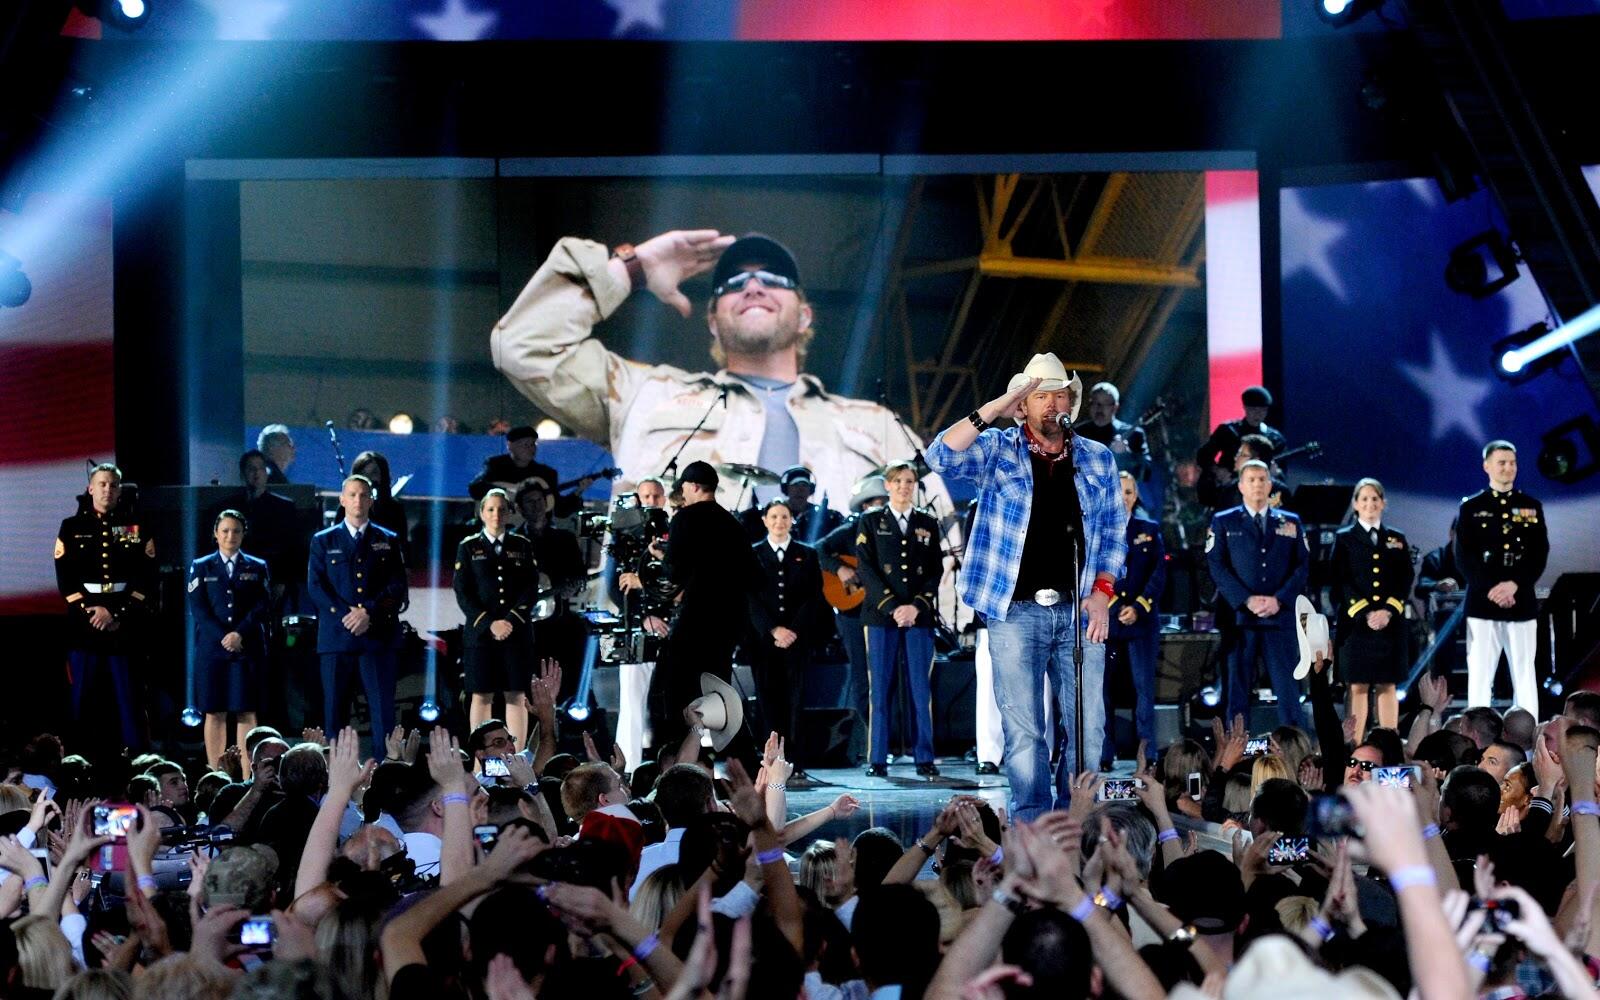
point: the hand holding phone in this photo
(258, 933)
(1257, 746)
(114, 820)
(1289, 851)
(495, 767)
(1119, 789)
(1404, 776)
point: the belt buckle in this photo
(1047, 598)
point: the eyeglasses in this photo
(502, 741)
(736, 282)
(1365, 765)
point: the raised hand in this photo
(346, 772)
(444, 761)
(1008, 405)
(746, 804)
(590, 753)
(674, 257)
(771, 752)
(314, 734)
(844, 806)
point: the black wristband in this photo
(978, 422)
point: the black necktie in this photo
(779, 552)
(229, 563)
(497, 547)
(1372, 533)
(1261, 523)
(900, 519)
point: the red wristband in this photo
(1104, 586)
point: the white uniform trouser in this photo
(633, 687)
(1486, 639)
(991, 737)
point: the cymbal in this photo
(750, 475)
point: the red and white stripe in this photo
(1233, 289)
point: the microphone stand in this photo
(672, 464)
(1077, 609)
(338, 455)
(918, 458)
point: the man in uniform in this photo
(1259, 559)
(898, 558)
(1135, 639)
(1126, 441)
(106, 569)
(833, 549)
(785, 616)
(708, 561)
(1216, 456)
(357, 578)
(811, 521)
(772, 414)
(1502, 545)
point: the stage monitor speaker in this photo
(1186, 659)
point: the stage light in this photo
(1570, 452)
(1553, 686)
(1535, 348)
(191, 717)
(126, 15)
(401, 423)
(547, 429)
(1402, 693)
(15, 288)
(577, 711)
(429, 711)
(1342, 12)
(1513, 360)
(1482, 265)
(1210, 696)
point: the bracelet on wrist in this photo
(1083, 911)
(930, 851)
(146, 882)
(646, 947)
(1108, 898)
(1011, 901)
(454, 799)
(1412, 875)
(1480, 961)
(1166, 835)
(1103, 586)
(1586, 807)
(998, 858)
(1430, 831)
(37, 881)
(768, 857)
(1322, 927)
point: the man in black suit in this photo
(709, 564)
(785, 601)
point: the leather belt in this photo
(104, 588)
(1047, 598)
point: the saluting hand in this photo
(1006, 406)
(676, 256)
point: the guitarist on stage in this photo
(842, 586)
(515, 467)
(1216, 456)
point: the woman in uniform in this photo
(497, 583)
(1372, 577)
(230, 603)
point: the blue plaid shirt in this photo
(998, 462)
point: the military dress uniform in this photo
(811, 523)
(348, 570)
(1137, 646)
(106, 561)
(229, 596)
(899, 559)
(1263, 554)
(496, 580)
(1371, 571)
(787, 592)
(1499, 537)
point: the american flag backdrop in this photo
(1392, 372)
(55, 389)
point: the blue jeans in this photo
(1281, 650)
(883, 653)
(1136, 653)
(1032, 642)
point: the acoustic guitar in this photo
(843, 596)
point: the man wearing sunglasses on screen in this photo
(773, 414)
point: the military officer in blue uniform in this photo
(497, 583)
(785, 618)
(1371, 581)
(357, 577)
(1135, 638)
(900, 561)
(105, 570)
(230, 607)
(1259, 560)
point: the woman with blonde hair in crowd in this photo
(43, 953)
(658, 895)
(825, 873)
(97, 984)
(1267, 766)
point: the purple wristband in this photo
(1322, 927)
(1166, 835)
(1083, 911)
(454, 799)
(1430, 831)
(147, 882)
(34, 882)
(647, 947)
(1479, 961)
(998, 857)
(1405, 878)
(1586, 807)
(1108, 898)
(768, 857)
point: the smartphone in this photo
(1330, 816)
(1289, 851)
(486, 835)
(1404, 776)
(1119, 789)
(1257, 746)
(1499, 913)
(114, 820)
(495, 767)
(1196, 789)
(258, 933)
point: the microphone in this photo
(1065, 420)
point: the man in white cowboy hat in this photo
(1047, 544)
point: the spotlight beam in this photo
(1516, 359)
